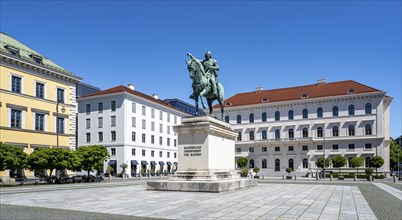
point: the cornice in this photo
(34, 131)
(35, 98)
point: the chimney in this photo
(131, 86)
(321, 81)
(155, 96)
(259, 89)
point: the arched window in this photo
(291, 133)
(335, 111)
(264, 163)
(277, 134)
(264, 116)
(368, 108)
(351, 110)
(305, 132)
(251, 118)
(305, 163)
(319, 112)
(239, 136)
(351, 129)
(290, 164)
(227, 118)
(366, 162)
(277, 165)
(335, 131)
(349, 162)
(277, 116)
(264, 135)
(367, 129)
(238, 119)
(251, 163)
(305, 113)
(290, 115)
(251, 135)
(319, 132)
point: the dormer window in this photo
(14, 51)
(304, 96)
(228, 104)
(351, 91)
(265, 100)
(37, 59)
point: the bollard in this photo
(330, 177)
(355, 178)
(316, 175)
(263, 177)
(295, 177)
(369, 178)
(395, 179)
(160, 176)
(283, 177)
(140, 176)
(149, 176)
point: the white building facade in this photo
(293, 127)
(137, 129)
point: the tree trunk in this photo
(88, 175)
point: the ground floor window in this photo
(264, 163)
(251, 163)
(290, 164)
(277, 165)
(305, 163)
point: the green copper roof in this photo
(25, 53)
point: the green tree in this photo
(339, 161)
(289, 170)
(52, 158)
(12, 157)
(376, 162)
(357, 162)
(91, 157)
(394, 154)
(320, 162)
(242, 162)
(256, 170)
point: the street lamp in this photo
(57, 119)
(324, 154)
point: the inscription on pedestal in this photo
(192, 151)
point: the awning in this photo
(144, 162)
(153, 162)
(161, 163)
(168, 163)
(112, 162)
(134, 162)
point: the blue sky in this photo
(273, 44)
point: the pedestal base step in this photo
(200, 186)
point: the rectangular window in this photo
(305, 147)
(60, 125)
(161, 115)
(238, 150)
(175, 155)
(60, 95)
(144, 124)
(113, 134)
(290, 148)
(168, 129)
(113, 106)
(133, 134)
(16, 84)
(168, 117)
(39, 122)
(160, 154)
(88, 109)
(88, 123)
(264, 149)
(100, 122)
(367, 146)
(88, 137)
(175, 119)
(143, 138)
(133, 122)
(143, 153)
(144, 110)
(152, 139)
(133, 152)
(113, 151)
(335, 147)
(168, 154)
(160, 128)
(40, 90)
(351, 147)
(168, 141)
(152, 126)
(251, 149)
(152, 153)
(100, 107)
(160, 140)
(319, 147)
(113, 121)
(277, 149)
(133, 107)
(152, 113)
(175, 142)
(100, 136)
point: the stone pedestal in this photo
(206, 154)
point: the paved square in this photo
(266, 201)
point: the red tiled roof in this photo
(295, 93)
(134, 92)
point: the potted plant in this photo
(244, 172)
(289, 170)
(256, 170)
(123, 172)
(369, 172)
(109, 171)
(143, 172)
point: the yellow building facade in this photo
(37, 100)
